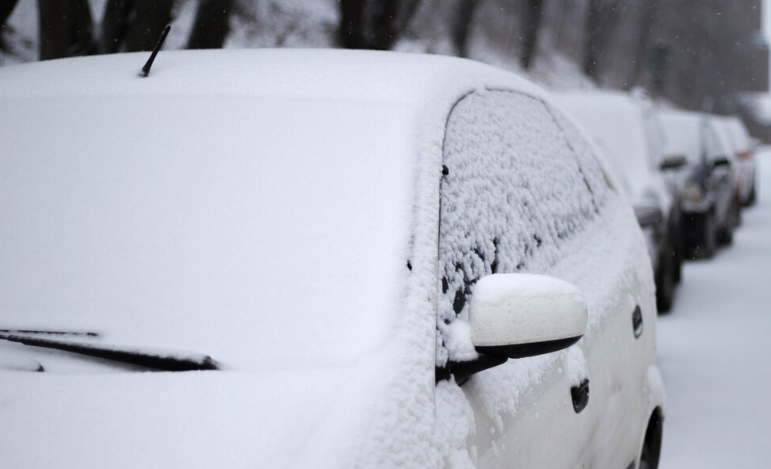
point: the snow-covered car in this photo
(332, 259)
(625, 127)
(707, 203)
(743, 148)
(723, 136)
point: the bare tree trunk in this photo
(54, 31)
(532, 19)
(150, 17)
(649, 10)
(372, 25)
(601, 21)
(81, 28)
(384, 33)
(592, 39)
(464, 17)
(211, 25)
(6, 8)
(408, 9)
(65, 28)
(351, 28)
(115, 21)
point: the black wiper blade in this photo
(161, 360)
(67, 333)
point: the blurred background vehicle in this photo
(743, 146)
(721, 125)
(626, 128)
(706, 179)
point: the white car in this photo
(625, 126)
(332, 259)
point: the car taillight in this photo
(744, 155)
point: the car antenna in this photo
(146, 68)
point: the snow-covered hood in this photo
(198, 419)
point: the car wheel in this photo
(678, 261)
(665, 285)
(753, 197)
(709, 237)
(726, 234)
(651, 450)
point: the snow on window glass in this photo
(517, 183)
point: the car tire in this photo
(725, 235)
(651, 450)
(679, 249)
(665, 280)
(752, 198)
(709, 237)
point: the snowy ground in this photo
(715, 351)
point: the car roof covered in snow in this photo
(310, 73)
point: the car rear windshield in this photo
(267, 232)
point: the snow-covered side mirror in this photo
(720, 161)
(523, 315)
(672, 162)
(648, 215)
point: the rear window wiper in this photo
(156, 359)
(60, 333)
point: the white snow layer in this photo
(345, 374)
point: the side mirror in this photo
(672, 162)
(523, 315)
(517, 316)
(648, 215)
(720, 161)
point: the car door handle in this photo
(580, 395)
(637, 322)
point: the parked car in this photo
(744, 148)
(707, 205)
(626, 128)
(723, 132)
(334, 259)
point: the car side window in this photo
(518, 181)
(714, 147)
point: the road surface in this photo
(714, 351)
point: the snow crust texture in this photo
(514, 191)
(523, 190)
